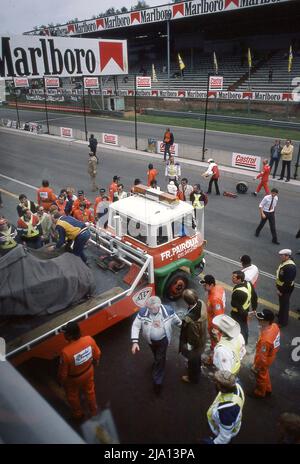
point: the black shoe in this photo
(287, 180)
(280, 178)
(218, 193)
(207, 193)
(254, 193)
(275, 242)
(256, 234)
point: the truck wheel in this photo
(176, 284)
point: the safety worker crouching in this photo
(8, 236)
(76, 369)
(225, 414)
(243, 298)
(230, 349)
(266, 349)
(72, 230)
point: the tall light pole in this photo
(205, 118)
(169, 14)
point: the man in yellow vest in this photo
(230, 349)
(285, 279)
(243, 298)
(225, 413)
(8, 236)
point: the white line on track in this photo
(236, 263)
(19, 182)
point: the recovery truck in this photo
(152, 246)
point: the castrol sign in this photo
(215, 82)
(250, 162)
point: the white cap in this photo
(227, 325)
(285, 251)
(210, 160)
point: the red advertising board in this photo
(91, 83)
(143, 82)
(110, 139)
(52, 82)
(21, 82)
(66, 132)
(215, 82)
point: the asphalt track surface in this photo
(123, 380)
(259, 146)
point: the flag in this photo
(216, 63)
(181, 63)
(154, 76)
(249, 58)
(290, 65)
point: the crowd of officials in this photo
(57, 218)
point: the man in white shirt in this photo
(230, 349)
(156, 321)
(267, 212)
(250, 270)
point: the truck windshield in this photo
(184, 226)
(137, 230)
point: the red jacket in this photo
(267, 347)
(264, 174)
(77, 357)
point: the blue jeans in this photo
(79, 244)
(159, 350)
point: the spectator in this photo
(113, 188)
(155, 321)
(92, 170)
(25, 204)
(270, 75)
(98, 200)
(173, 170)
(151, 174)
(136, 182)
(61, 203)
(30, 230)
(8, 236)
(171, 188)
(286, 156)
(46, 224)
(120, 194)
(193, 335)
(71, 198)
(45, 195)
(185, 190)
(250, 270)
(168, 141)
(225, 414)
(93, 142)
(83, 214)
(275, 156)
(81, 199)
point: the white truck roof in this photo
(150, 212)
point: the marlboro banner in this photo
(61, 57)
(157, 14)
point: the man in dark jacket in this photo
(285, 280)
(243, 297)
(93, 142)
(275, 156)
(193, 335)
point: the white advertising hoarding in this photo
(243, 161)
(143, 82)
(215, 82)
(110, 139)
(173, 149)
(37, 56)
(91, 83)
(52, 82)
(21, 82)
(66, 132)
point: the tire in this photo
(241, 187)
(176, 284)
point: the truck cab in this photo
(166, 229)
